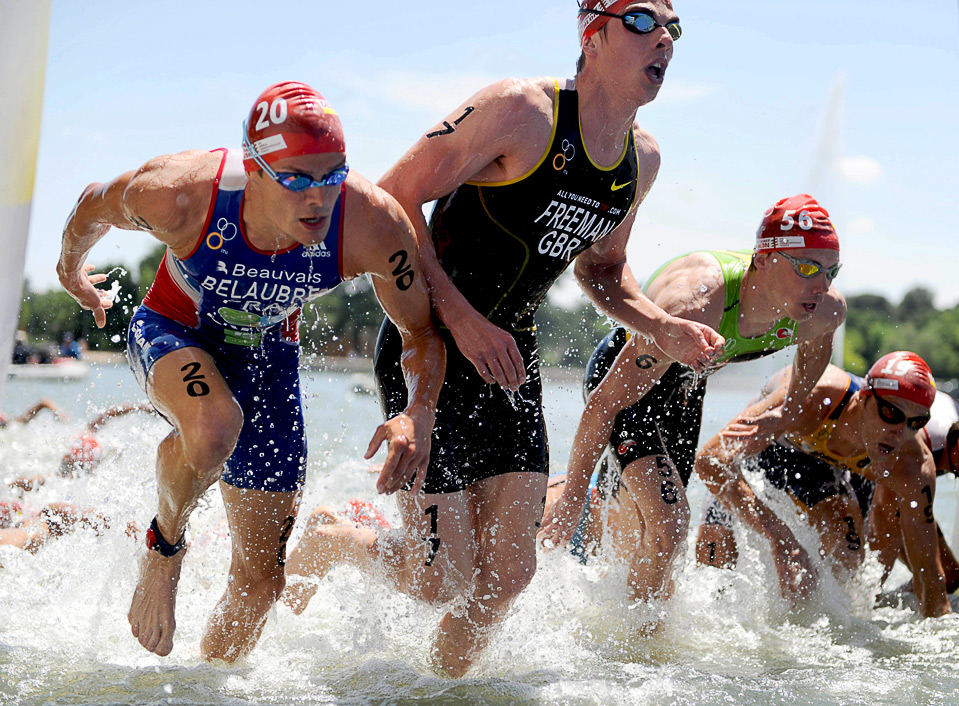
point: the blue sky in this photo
(742, 119)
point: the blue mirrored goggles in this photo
(295, 181)
(640, 22)
(298, 181)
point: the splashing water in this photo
(572, 637)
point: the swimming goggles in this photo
(295, 181)
(810, 268)
(640, 22)
(892, 415)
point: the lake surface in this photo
(570, 639)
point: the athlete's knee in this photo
(208, 446)
(258, 583)
(505, 580)
(665, 538)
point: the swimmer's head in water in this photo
(8, 512)
(591, 22)
(85, 455)
(290, 119)
(794, 223)
(905, 375)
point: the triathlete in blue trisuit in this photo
(251, 236)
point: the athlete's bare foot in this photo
(310, 559)
(151, 613)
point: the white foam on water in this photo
(573, 637)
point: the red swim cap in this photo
(85, 454)
(797, 222)
(290, 119)
(903, 374)
(7, 510)
(590, 24)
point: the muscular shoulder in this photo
(828, 317)
(646, 145)
(691, 287)
(827, 391)
(521, 97)
(648, 159)
(171, 193)
(913, 467)
(375, 226)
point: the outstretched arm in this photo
(718, 465)
(381, 243)
(98, 421)
(913, 479)
(167, 197)
(624, 385)
(813, 354)
(608, 281)
(38, 407)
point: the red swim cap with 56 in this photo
(903, 374)
(290, 119)
(796, 222)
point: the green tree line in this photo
(347, 321)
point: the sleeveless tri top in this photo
(503, 244)
(230, 288)
(739, 348)
(816, 444)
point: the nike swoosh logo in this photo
(617, 187)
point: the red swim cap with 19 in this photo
(290, 119)
(796, 222)
(903, 374)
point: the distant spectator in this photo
(21, 349)
(69, 346)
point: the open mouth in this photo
(886, 449)
(810, 308)
(313, 223)
(656, 71)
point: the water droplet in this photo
(827, 401)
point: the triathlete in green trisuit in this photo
(648, 408)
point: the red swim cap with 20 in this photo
(903, 374)
(290, 119)
(796, 222)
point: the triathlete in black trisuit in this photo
(530, 175)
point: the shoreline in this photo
(339, 364)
